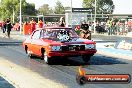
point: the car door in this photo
(36, 42)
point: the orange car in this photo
(53, 42)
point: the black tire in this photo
(48, 60)
(86, 58)
(42, 53)
(28, 52)
(26, 48)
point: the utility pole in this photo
(95, 17)
(71, 13)
(13, 15)
(20, 16)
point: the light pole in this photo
(71, 13)
(13, 15)
(20, 16)
(95, 17)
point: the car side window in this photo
(45, 34)
(36, 35)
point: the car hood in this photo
(71, 41)
(79, 41)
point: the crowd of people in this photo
(29, 27)
(7, 26)
(118, 28)
(111, 27)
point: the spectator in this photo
(117, 28)
(85, 33)
(122, 28)
(99, 29)
(4, 26)
(8, 27)
(33, 25)
(40, 24)
(109, 27)
(62, 23)
(113, 28)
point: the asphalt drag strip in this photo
(62, 73)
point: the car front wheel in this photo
(29, 54)
(47, 59)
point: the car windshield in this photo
(59, 33)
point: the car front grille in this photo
(73, 48)
(65, 48)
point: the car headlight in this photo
(56, 48)
(90, 46)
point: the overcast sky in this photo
(121, 6)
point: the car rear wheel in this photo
(86, 58)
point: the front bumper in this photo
(72, 53)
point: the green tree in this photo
(44, 10)
(103, 6)
(8, 6)
(29, 9)
(59, 8)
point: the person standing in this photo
(109, 27)
(40, 24)
(118, 28)
(98, 28)
(113, 28)
(85, 33)
(62, 23)
(33, 25)
(8, 27)
(4, 26)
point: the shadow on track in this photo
(77, 61)
(103, 60)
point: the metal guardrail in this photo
(10, 43)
